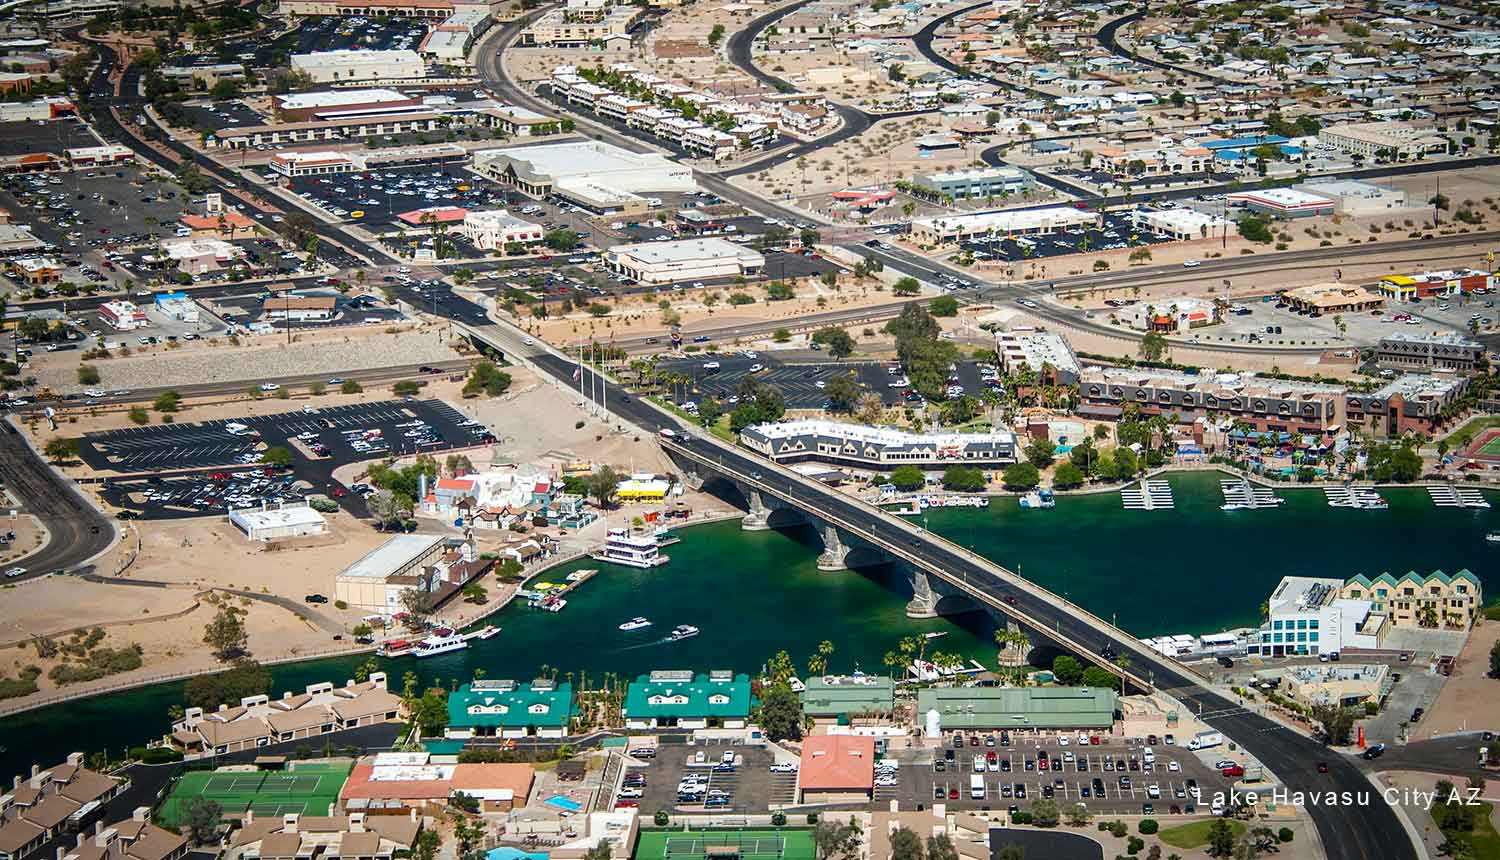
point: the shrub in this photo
(1284, 834)
(778, 819)
(661, 818)
(1117, 829)
(1147, 826)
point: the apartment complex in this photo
(352, 836)
(1265, 404)
(567, 28)
(136, 838)
(876, 447)
(1412, 402)
(41, 806)
(1398, 141)
(259, 721)
(1414, 600)
(1424, 351)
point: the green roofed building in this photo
(1017, 707)
(841, 698)
(682, 699)
(543, 708)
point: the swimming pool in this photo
(563, 802)
(508, 853)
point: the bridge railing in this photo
(959, 578)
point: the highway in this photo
(1347, 833)
(78, 531)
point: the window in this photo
(1276, 625)
(1301, 623)
(1277, 638)
(1312, 624)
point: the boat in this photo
(440, 643)
(622, 547)
(553, 604)
(636, 623)
(394, 648)
(665, 536)
(683, 631)
(488, 631)
(1492, 537)
(1037, 499)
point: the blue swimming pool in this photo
(562, 802)
(514, 854)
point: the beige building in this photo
(351, 65)
(259, 721)
(1411, 599)
(38, 808)
(1398, 139)
(562, 28)
(376, 581)
(1332, 298)
(1346, 685)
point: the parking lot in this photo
(51, 136)
(1112, 775)
(708, 783)
(1116, 231)
(207, 116)
(91, 208)
(383, 194)
(802, 384)
(320, 440)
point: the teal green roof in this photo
(870, 694)
(1390, 579)
(699, 697)
(516, 708)
(1018, 707)
(437, 747)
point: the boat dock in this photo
(1241, 495)
(1363, 498)
(1445, 496)
(550, 595)
(1151, 496)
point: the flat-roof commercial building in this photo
(87, 157)
(1022, 222)
(293, 164)
(846, 698)
(1450, 282)
(1046, 353)
(18, 239)
(1307, 408)
(876, 447)
(282, 522)
(990, 708)
(493, 229)
(449, 44)
(505, 709)
(412, 780)
(977, 182)
(1181, 223)
(1355, 198)
(327, 67)
(1328, 299)
(1397, 140)
(1344, 685)
(683, 260)
(300, 308)
(837, 769)
(34, 271)
(1284, 202)
(539, 171)
(299, 107)
(123, 315)
(1425, 351)
(1308, 615)
(375, 582)
(1412, 402)
(719, 699)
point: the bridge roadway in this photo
(1356, 832)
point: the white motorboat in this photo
(440, 643)
(683, 631)
(622, 547)
(636, 623)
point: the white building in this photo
(542, 170)
(310, 163)
(495, 228)
(1308, 617)
(1182, 223)
(352, 65)
(376, 582)
(685, 260)
(450, 42)
(279, 523)
(1021, 222)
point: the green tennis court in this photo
(307, 790)
(1491, 448)
(767, 844)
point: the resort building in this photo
(1329, 299)
(1396, 141)
(259, 721)
(719, 699)
(837, 769)
(326, 67)
(1412, 600)
(280, 523)
(1424, 351)
(949, 229)
(1283, 406)
(876, 447)
(976, 182)
(988, 708)
(1046, 353)
(846, 699)
(505, 709)
(355, 835)
(413, 781)
(40, 807)
(1309, 616)
(133, 839)
(1411, 402)
(683, 260)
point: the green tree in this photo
(1220, 838)
(1040, 453)
(244, 678)
(560, 240)
(277, 455)
(1044, 813)
(963, 479)
(940, 847)
(943, 306)
(906, 287)
(906, 845)
(602, 485)
(1336, 721)
(1153, 346)
(781, 712)
(139, 415)
(167, 401)
(61, 449)
(1495, 660)
(225, 635)
(201, 818)
(350, 386)
(1068, 670)
(838, 342)
(485, 378)
(1097, 676)
(88, 374)
(908, 478)
(1021, 476)
(1067, 476)
(843, 392)
(1255, 228)
(836, 840)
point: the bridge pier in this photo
(759, 516)
(923, 603)
(835, 553)
(693, 480)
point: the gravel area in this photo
(249, 363)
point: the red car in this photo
(626, 804)
(1322, 767)
(953, 794)
(1093, 740)
(1233, 770)
(339, 492)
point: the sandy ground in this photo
(30, 536)
(1469, 698)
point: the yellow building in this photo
(643, 488)
(1413, 600)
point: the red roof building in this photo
(837, 768)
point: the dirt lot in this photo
(1468, 699)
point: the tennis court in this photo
(1491, 448)
(307, 789)
(768, 844)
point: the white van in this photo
(237, 428)
(976, 787)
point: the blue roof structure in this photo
(1243, 142)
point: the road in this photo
(78, 531)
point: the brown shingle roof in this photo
(217, 733)
(304, 719)
(281, 845)
(370, 704)
(53, 810)
(88, 785)
(17, 834)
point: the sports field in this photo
(766, 844)
(1491, 448)
(307, 789)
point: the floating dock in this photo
(1362, 498)
(1149, 496)
(1241, 495)
(1445, 496)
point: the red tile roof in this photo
(838, 762)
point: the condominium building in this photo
(1046, 353)
(259, 720)
(505, 709)
(1424, 351)
(39, 807)
(1309, 615)
(1411, 599)
(1398, 140)
(1412, 402)
(876, 447)
(1265, 404)
(560, 28)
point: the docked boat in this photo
(394, 648)
(1492, 537)
(666, 537)
(554, 604)
(636, 623)
(1037, 499)
(488, 631)
(440, 643)
(631, 550)
(683, 631)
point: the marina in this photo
(1149, 495)
(1446, 496)
(1241, 495)
(1360, 498)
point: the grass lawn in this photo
(1471, 428)
(1482, 836)
(1195, 835)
